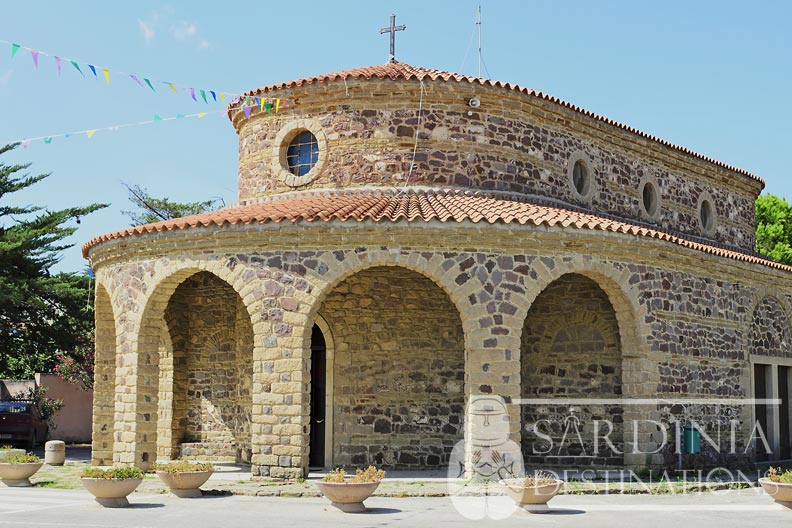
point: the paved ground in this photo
(31, 507)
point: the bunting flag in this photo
(77, 67)
(203, 96)
(192, 94)
(247, 110)
(14, 49)
(149, 84)
(34, 55)
(134, 78)
(93, 69)
(106, 75)
(58, 64)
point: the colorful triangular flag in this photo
(34, 55)
(14, 49)
(47, 140)
(77, 67)
(58, 64)
(90, 133)
(135, 78)
(214, 95)
(192, 94)
(247, 110)
(106, 75)
(157, 117)
(203, 96)
(93, 69)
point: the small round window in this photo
(580, 177)
(302, 153)
(707, 216)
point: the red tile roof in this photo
(441, 205)
(401, 71)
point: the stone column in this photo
(104, 379)
(137, 383)
(492, 364)
(281, 389)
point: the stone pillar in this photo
(281, 395)
(492, 364)
(104, 379)
(137, 384)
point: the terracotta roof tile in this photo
(402, 71)
(444, 206)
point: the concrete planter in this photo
(530, 497)
(185, 484)
(111, 493)
(348, 496)
(18, 475)
(780, 492)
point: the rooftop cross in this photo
(392, 30)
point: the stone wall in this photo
(571, 349)
(679, 311)
(212, 341)
(512, 143)
(399, 370)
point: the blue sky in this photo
(714, 76)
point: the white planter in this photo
(780, 492)
(111, 493)
(185, 484)
(530, 497)
(18, 475)
(348, 496)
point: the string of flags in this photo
(246, 104)
(206, 95)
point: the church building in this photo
(406, 238)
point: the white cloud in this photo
(6, 78)
(184, 30)
(147, 30)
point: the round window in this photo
(649, 199)
(707, 216)
(302, 153)
(580, 177)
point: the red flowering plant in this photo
(77, 366)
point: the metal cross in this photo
(392, 30)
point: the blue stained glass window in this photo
(302, 154)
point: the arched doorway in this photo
(398, 370)
(571, 349)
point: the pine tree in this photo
(41, 313)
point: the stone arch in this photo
(399, 368)
(145, 409)
(106, 339)
(433, 266)
(571, 349)
(769, 333)
(623, 296)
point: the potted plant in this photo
(111, 486)
(532, 493)
(348, 493)
(17, 468)
(6, 450)
(778, 485)
(184, 478)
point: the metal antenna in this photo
(478, 25)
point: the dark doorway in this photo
(316, 454)
(760, 409)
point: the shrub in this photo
(371, 474)
(112, 473)
(21, 458)
(183, 466)
(775, 475)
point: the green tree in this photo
(41, 313)
(774, 228)
(151, 209)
